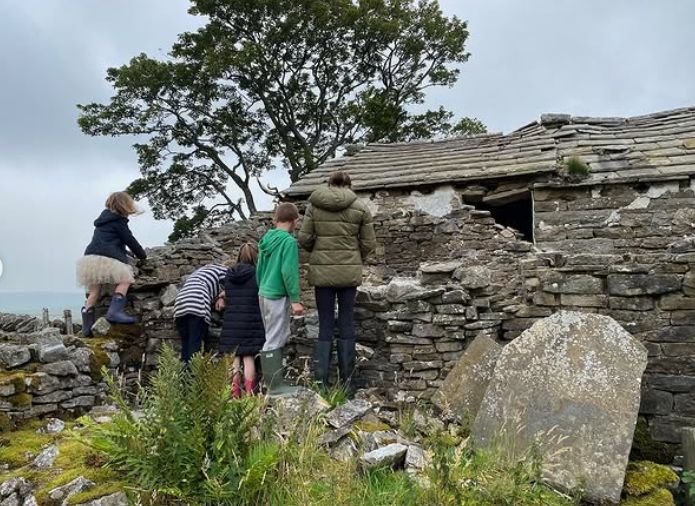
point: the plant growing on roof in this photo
(575, 169)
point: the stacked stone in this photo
(614, 219)
(18, 323)
(44, 372)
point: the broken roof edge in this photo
(298, 193)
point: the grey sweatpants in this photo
(276, 318)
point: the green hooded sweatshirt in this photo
(277, 269)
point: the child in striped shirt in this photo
(202, 291)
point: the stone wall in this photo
(45, 373)
(445, 273)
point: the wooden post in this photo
(44, 319)
(688, 440)
(68, 322)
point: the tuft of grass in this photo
(335, 396)
(576, 167)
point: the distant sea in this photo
(32, 303)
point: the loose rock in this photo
(569, 385)
(391, 455)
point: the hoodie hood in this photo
(332, 198)
(108, 216)
(272, 239)
(240, 273)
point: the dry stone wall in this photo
(44, 373)
(445, 273)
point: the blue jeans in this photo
(325, 304)
(193, 331)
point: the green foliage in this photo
(689, 479)
(335, 396)
(576, 167)
(487, 477)
(192, 442)
(268, 84)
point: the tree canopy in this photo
(269, 83)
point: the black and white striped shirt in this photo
(200, 291)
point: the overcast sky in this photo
(588, 57)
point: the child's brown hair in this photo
(248, 253)
(286, 213)
(121, 203)
(340, 179)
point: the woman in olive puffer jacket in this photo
(339, 233)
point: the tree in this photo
(266, 83)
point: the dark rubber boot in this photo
(346, 364)
(322, 363)
(88, 317)
(273, 375)
(115, 313)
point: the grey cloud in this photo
(593, 57)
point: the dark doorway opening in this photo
(515, 212)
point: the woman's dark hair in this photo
(340, 179)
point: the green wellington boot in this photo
(273, 377)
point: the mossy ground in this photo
(659, 497)
(645, 477)
(18, 449)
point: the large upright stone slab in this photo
(464, 387)
(570, 385)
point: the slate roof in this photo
(656, 146)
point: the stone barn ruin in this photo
(588, 214)
(481, 237)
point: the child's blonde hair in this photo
(121, 203)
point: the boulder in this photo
(464, 387)
(407, 289)
(15, 485)
(302, 406)
(392, 455)
(30, 501)
(53, 426)
(45, 459)
(168, 296)
(117, 499)
(101, 327)
(51, 352)
(348, 413)
(62, 368)
(474, 277)
(13, 355)
(569, 386)
(76, 486)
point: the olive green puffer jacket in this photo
(339, 233)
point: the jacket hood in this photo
(240, 273)
(332, 198)
(108, 216)
(272, 239)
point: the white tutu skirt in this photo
(99, 270)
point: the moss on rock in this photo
(645, 477)
(659, 497)
(21, 400)
(6, 422)
(645, 448)
(14, 378)
(365, 426)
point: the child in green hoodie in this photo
(277, 273)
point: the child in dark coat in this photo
(242, 327)
(105, 260)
